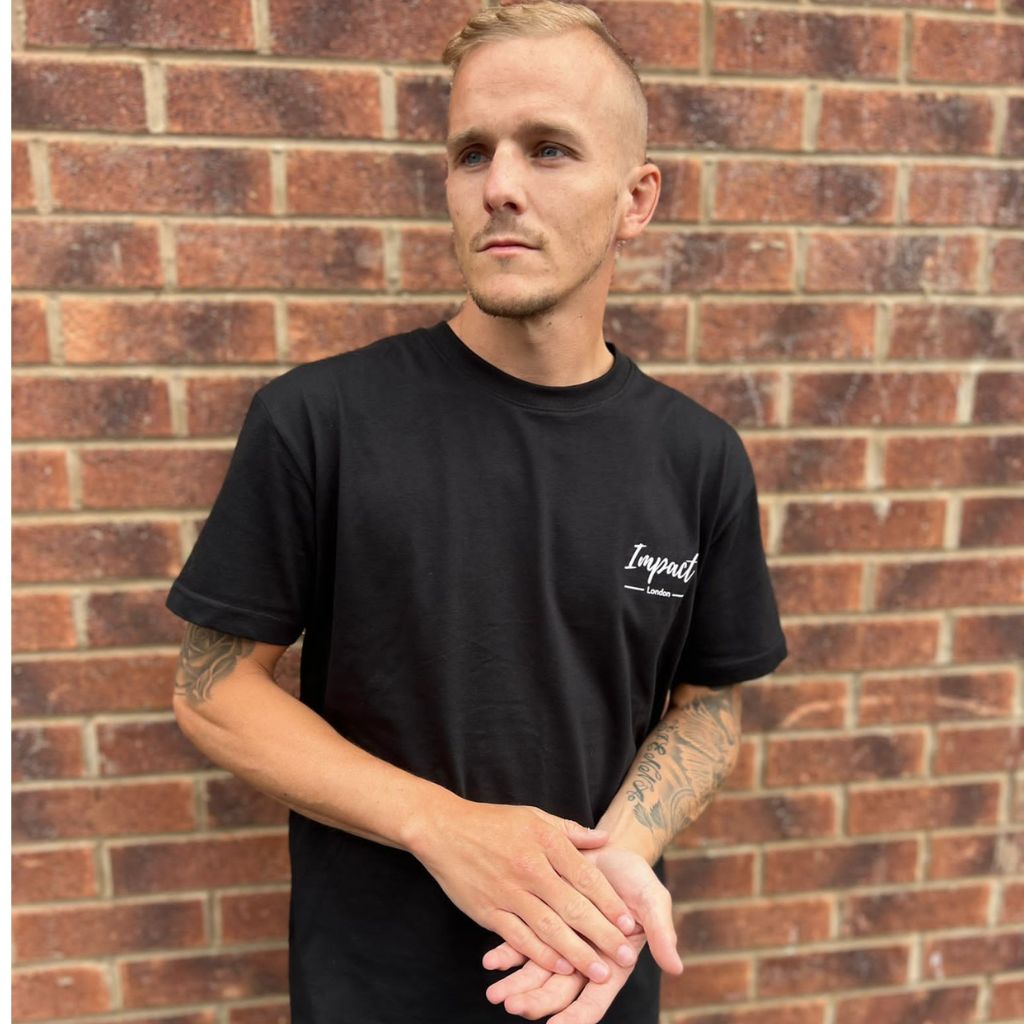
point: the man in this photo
(528, 577)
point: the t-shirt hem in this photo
(254, 625)
(714, 674)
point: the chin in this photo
(518, 306)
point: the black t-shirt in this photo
(499, 583)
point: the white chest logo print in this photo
(657, 565)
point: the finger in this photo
(524, 940)
(552, 931)
(554, 995)
(613, 922)
(503, 958)
(579, 835)
(526, 979)
(592, 1003)
(656, 913)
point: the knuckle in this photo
(588, 878)
(575, 910)
(547, 923)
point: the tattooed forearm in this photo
(206, 657)
(683, 764)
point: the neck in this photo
(558, 348)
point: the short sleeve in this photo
(250, 572)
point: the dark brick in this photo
(41, 622)
(839, 759)
(948, 331)
(143, 748)
(944, 697)
(882, 525)
(943, 584)
(254, 917)
(422, 102)
(752, 925)
(945, 1005)
(39, 481)
(217, 405)
(910, 808)
(22, 189)
(733, 819)
(935, 461)
(232, 803)
(77, 95)
(776, 706)
(988, 637)
(130, 618)
(28, 332)
(1007, 266)
(929, 910)
(807, 464)
(999, 398)
(710, 876)
(46, 752)
(743, 399)
(991, 197)
(960, 856)
(806, 868)
(149, 477)
(802, 973)
(817, 589)
(992, 521)
(863, 644)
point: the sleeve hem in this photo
(254, 625)
(713, 674)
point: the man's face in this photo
(539, 149)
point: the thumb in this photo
(661, 933)
(583, 838)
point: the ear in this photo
(644, 185)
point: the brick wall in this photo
(206, 193)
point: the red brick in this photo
(859, 121)
(159, 179)
(886, 700)
(205, 100)
(936, 584)
(680, 198)
(85, 686)
(302, 258)
(966, 195)
(1013, 903)
(39, 481)
(370, 184)
(1007, 999)
(1007, 266)
(762, 42)
(698, 116)
(991, 749)
(807, 464)
(776, 706)
(963, 51)
(107, 930)
(427, 261)
(960, 856)
(817, 589)
(46, 752)
(53, 254)
(745, 819)
(43, 553)
(129, 618)
(151, 477)
(143, 748)
(802, 973)
(710, 876)
(933, 461)
(217, 405)
(77, 95)
(859, 645)
(207, 978)
(22, 190)
(265, 1013)
(155, 25)
(809, 761)
(28, 332)
(254, 917)
(785, 192)
(384, 32)
(745, 399)
(753, 925)
(198, 1017)
(881, 525)
(744, 775)
(945, 1005)
(791, 1013)
(1013, 140)
(64, 991)
(973, 954)
(871, 399)
(947, 331)
(928, 910)
(232, 803)
(41, 876)
(988, 637)
(655, 35)
(805, 868)
(41, 622)
(891, 263)
(987, 522)
(422, 106)
(717, 981)
(204, 863)
(908, 808)
(999, 398)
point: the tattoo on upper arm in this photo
(694, 752)
(207, 656)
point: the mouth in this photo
(507, 247)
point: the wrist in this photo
(428, 818)
(626, 833)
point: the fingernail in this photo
(625, 956)
(598, 971)
(626, 923)
(564, 967)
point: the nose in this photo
(503, 186)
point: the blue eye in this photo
(551, 146)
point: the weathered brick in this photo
(858, 645)
(928, 910)
(881, 525)
(712, 117)
(988, 637)
(806, 868)
(369, 184)
(22, 189)
(777, 706)
(107, 930)
(39, 481)
(999, 398)
(144, 748)
(948, 1005)
(42, 876)
(221, 256)
(93, 685)
(807, 761)
(907, 808)
(159, 179)
(680, 198)
(801, 973)
(946, 50)
(73, 812)
(77, 95)
(960, 856)
(427, 261)
(217, 405)
(807, 464)
(858, 121)
(155, 25)
(1013, 903)
(254, 917)
(1007, 999)
(815, 45)
(710, 876)
(744, 776)
(973, 954)
(232, 803)
(994, 748)
(870, 399)
(65, 991)
(649, 331)
(46, 752)
(745, 399)
(196, 1017)
(54, 254)
(151, 477)
(264, 1013)
(1007, 266)
(992, 197)
(885, 700)
(655, 34)
(891, 263)
(263, 101)
(791, 1013)
(422, 106)
(41, 622)
(942, 584)
(948, 331)
(1013, 140)
(28, 332)
(718, 981)
(205, 863)
(131, 617)
(733, 819)
(817, 589)
(936, 461)
(992, 521)
(753, 925)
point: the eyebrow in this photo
(456, 143)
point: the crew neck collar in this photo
(523, 392)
